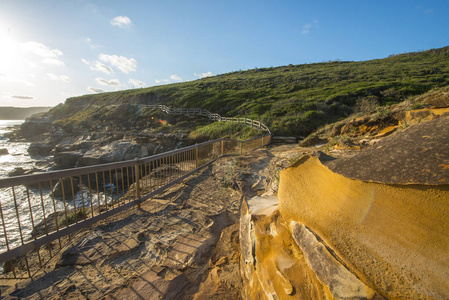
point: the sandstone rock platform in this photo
(417, 155)
(382, 212)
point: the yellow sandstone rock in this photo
(395, 238)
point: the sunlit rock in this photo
(393, 237)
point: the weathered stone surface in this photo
(41, 149)
(17, 172)
(272, 266)
(115, 151)
(312, 140)
(67, 159)
(416, 155)
(393, 237)
(342, 283)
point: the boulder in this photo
(40, 149)
(63, 188)
(67, 159)
(4, 151)
(113, 152)
(17, 172)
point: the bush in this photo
(71, 216)
(218, 130)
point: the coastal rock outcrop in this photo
(382, 212)
(373, 225)
(115, 151)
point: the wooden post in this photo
(138, 184)
(196, 157)
(222, 148)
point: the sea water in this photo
(18, 154)
(18, 223)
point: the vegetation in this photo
(79, 215)
(294, 99)
(224, 129)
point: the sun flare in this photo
(10, 57)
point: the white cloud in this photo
(53, 61)
(137, 83)
(111, 82)
(121, 22)
(94, 89)
(89, 42)
(175, 77)
(23, 97)
(58, 77)
(160, 81)
(50, 56)
(308, 27)
(41, 50)
(98, 66)
(123, 63)
(204, 74)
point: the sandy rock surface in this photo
(180, 245)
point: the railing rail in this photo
(211, 116)
(40, 212)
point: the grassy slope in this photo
(295, 100)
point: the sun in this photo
(10, 57)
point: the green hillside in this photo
(294, 99)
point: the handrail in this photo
(211, 116)
(89, 194)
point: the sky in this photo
(51, 50)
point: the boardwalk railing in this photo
(211, 116)
(41, 212)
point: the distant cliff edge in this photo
(20, 113)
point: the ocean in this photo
(18, 157)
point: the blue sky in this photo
(51, 50)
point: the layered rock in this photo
(373, 225)
(391, 229)
(286, 261)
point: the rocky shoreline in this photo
(60, 146)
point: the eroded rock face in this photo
(393, 237)
(272, 266)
